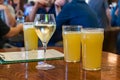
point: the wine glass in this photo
(45, 26)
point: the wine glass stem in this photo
(45, 47)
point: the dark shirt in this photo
(75, 13)
(4, 29)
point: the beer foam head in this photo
(92, 30)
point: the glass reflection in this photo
(91, 75)
(26, 65)
(72, 71)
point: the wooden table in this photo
(63, 71)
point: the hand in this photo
(41, 3)
(60, 2)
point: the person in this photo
(8, 13)
(76, 12)
(8, 32)
(42, 7)
(101, 8)
(46, 7)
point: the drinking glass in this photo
(30, 36)
(72, 42)
(92, 42)
(45, 26)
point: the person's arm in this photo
(57, 9)
(108, 15)
(58, 5)
(10, 20)
(107, 11)
(14, 31)
(33, 12)
(6, 31)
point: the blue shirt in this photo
(75, 13)
(100, 6)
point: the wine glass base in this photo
(44, 66)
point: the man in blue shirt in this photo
(76, 12)
(101, 8)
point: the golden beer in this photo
(72, 46)
(30, 38)
(92, 42)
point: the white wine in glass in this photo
(45, 26)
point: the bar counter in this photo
(63, 71)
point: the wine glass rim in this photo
(72, 26)
(45, 14)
